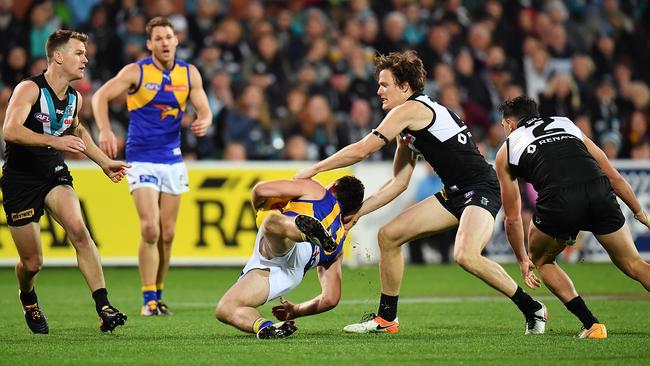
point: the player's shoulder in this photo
(26, 90)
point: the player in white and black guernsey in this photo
(469, 200)
(577, 188)
(41, 123)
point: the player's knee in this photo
(32, 265)
(150, 232)
(168, 233)
(223, 311)
(466, 259)
(272, 224)
(385, 239)
(79, 235)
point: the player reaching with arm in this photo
(470, 199)
(284, 252)
(159, 88)
(40, 125)
(577, 188)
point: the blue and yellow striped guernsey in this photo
(156, 107)
(328, 211)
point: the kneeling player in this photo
(309, 233)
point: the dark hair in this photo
(406, 67)
(60, 38)
(158, 22)
(349, 191)
(519, 108)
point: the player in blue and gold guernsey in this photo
(159, 88)
(282, 257)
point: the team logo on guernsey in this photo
(314, 256)
(152, 86)
(166, 111)
(25, 214)
(42, 117)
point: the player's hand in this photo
(108, 143)
(306, 173)
(349, 221)
(285, 311)
(69, 143)
(200, 126)
(526, 267)
(643, 218)
(116, 170)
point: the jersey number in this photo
(541, 129)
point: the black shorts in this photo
(589, 206)
(485, 196)
(23, 196)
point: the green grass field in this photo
(446, 316)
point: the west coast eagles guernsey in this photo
(328, 211)
(156, 105)
(48, 116)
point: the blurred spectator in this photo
(611, 144)
(42, 24)
(13, 31)
(318, 125)
(14, 66)
(561, 98)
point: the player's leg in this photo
(422, 219)
(238, 306)
(280, 234)
(621, 249)
(28, 245)
(63, 205)
(147, 204)
(169, 205)
(543, 250)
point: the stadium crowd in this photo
(293, 80)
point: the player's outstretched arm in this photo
(395, 121)
(330, 281)
(127, 78)
(14, 130)
(403, 166)
(514, 227)
(199, 101)
(620, 186)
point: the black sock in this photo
(524, 302)
(28, 298)
(388, 307)
(101, 299)
(578, 307)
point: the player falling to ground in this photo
(469, 200)
(158, 90)
(41, 123)
(577, 188)
(309, 233)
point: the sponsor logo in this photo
(166, 111)
(484, 201)
(42, 117)
(59, 111)
(25, 214)
(152, 86)
(314, 256)
(58, 168)
(468, 201)
(148, 179)
(175, 88)
(538, 220)
(68, 121)
(469, 194)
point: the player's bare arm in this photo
(620, 186)
(408, 115)
(14, 130)
(286, 189)
(511, 199)
(330, 280)
(127, 78)
(403, 166)
(199, 101)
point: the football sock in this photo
(524, 302)
(101, 299)
(578, 307)
(149, 293)
(388, 307)
(159, 290)
(261, 323)
(28, 298)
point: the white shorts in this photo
(287, 271)
(166, 178)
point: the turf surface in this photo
(446, 315)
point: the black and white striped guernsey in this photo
(447, 145)
(49, 116)
(550, 153)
